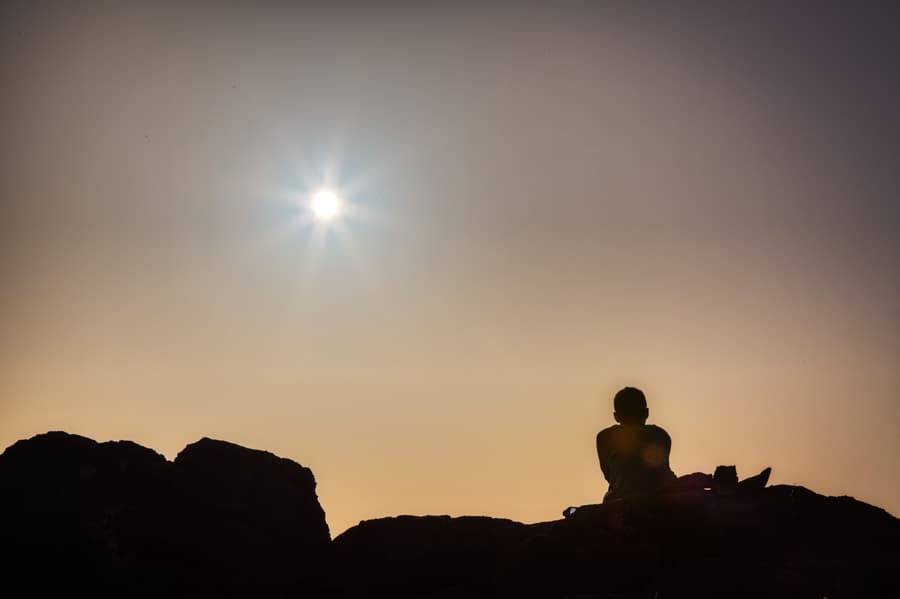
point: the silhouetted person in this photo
(634, 455)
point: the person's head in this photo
(630, 406)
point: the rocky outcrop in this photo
(104, 519)
(83, 518)
(246, 519)
(782, 542)
(416, 555)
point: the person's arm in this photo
(667, 450)
(603, 465)
(667, 444)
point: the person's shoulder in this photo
(656, 431)
(610, 430)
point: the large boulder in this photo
(78, 514)
(104, 519)
(247, 522)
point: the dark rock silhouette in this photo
(102, 519)
(784, 542)
(79, 514)
(250, 512)
(418, 555)
(116, 518)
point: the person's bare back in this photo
(634, 459)
(634, 456)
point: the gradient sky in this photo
(550, 205)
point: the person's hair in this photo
(630, 405)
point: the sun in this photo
(325, 205)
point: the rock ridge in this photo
(221, 520)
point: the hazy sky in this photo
(549, 205)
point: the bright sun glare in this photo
(325, 205)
